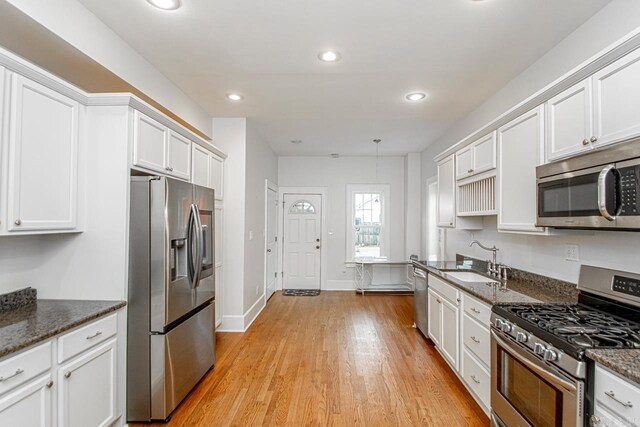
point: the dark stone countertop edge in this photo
(36, 339)
(522, 295)
(626, 363)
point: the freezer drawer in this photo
(179, 359)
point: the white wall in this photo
(78, 26)
(261, 164)
(412, 205)
(335, 174)
(545, 255)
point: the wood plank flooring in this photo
(338, 359)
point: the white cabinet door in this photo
(568, 122)
(200, 166)
(450, 339)
(434, 301)
(218, 301)
(464, 162)
(520, 149)
(484, 153)
(447, 193)
(30, 405)
(178, 156)
(87, 393)
(42, 159)
(617, 100)
(217, 176)
(150, 141)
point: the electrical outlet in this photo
(257, 289)
(571, 252)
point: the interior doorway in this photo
(271, 239)
(434, 235)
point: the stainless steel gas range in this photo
(539, 373)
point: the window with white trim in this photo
(367, 218)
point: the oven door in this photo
(525, 391)
(589, 198)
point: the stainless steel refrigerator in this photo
(171, 321)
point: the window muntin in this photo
(302, 207)
(367, 224)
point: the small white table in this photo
(365, 274)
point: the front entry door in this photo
(302, 232)
(272, 241)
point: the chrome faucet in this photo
(493, 268)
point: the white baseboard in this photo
(339, 285)
(240, 323)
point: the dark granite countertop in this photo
(24, 326)
(623, 362)
(522, 288)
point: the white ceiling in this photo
(458, 51)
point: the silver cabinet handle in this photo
(50, 384)
(15, 374)
(594, 138)
(67, 374)
(612, 395)
(474, 339)
(475, 380)
(17, 222)
(585, 141)
(475, 310)
(98, 333)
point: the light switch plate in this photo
(571, 252)
(250, 234)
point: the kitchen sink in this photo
(468, 276)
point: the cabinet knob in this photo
(594, 138)
(470, 170)
(595, 420)
(67, 374)
(585, 141)
(169, 168)
(17, 222)
(50, 384)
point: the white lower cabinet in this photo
(450, 332)
(477, 378)
(87, 393)
(38, 391)
(29, 405)
(616, 399)
(435, 331)
(444, 320)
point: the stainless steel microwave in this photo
(600, 189)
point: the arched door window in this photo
(302, 207)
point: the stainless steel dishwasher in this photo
(420, 305)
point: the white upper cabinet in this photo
(568, 122)
(446, 193)
(42, 159)
(520, 147)
(217, 176)
(616, 91)
(159, 149)
(179, 156)
(200, 166)
(477, 157)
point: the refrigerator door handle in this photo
(193, 236)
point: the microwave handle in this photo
(602, 192)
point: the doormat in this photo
(301, 292)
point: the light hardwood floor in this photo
(338, 359)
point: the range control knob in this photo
(498, 323)
(506, 327)
(539, 348)
(521, 337)
(550, 355)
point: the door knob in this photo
(268, 250)
(317, 240)
(318, 247)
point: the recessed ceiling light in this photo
(296, 141)
(235, 97)
(165, 4)
(415, 96)
(329, 56)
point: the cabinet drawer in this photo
(477, 378)
(477, 310)
(477, 339)
(447, 291)
(76, 342)
(617, 394)
(18, 369)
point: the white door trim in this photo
(322, 191)
(268, 185)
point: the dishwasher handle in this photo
(419, 273)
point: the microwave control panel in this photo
(626, 285)
(630, 186)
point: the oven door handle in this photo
(535, 366)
